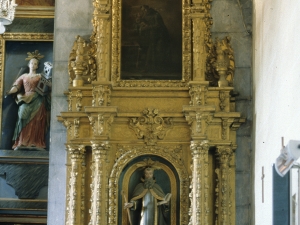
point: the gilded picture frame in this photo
(35, 8)
(136, 61)
(25, 42)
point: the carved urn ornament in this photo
(220, 63)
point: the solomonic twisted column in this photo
(75, 197)
(99, 182)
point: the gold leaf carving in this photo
(82, 63)
(220, 63)
(131, 152)
(150, 126)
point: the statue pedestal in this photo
(24, 179)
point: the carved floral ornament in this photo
(150, 126)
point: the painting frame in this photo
(34, 12)
(15, 37)
(32, 9)
(186, 50)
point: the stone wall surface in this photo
(70, 20)
(234, 19)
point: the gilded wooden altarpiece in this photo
(190, 123)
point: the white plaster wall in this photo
(276, 53)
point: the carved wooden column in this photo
(99, 183)
(101, 37)
(76, 194)
(101, 118)
(199, 211)
(225, 189)
(201, 21)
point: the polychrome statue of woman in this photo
(34, 108)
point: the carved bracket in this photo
(151, 127)
(101, 119)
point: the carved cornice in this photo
(150, 126)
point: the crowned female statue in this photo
(34, 108)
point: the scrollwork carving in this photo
(151, 127)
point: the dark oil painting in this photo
(151, 40)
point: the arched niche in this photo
(125, 174)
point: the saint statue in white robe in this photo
(151, 200)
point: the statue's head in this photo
(33, 62)
(148, 172)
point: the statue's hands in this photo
(13, 90)
(128, 205)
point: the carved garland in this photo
(127, 153)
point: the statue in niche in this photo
(149, 201)
(32, 94)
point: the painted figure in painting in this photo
(34, 108)
(153, 39)
(149, 199)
